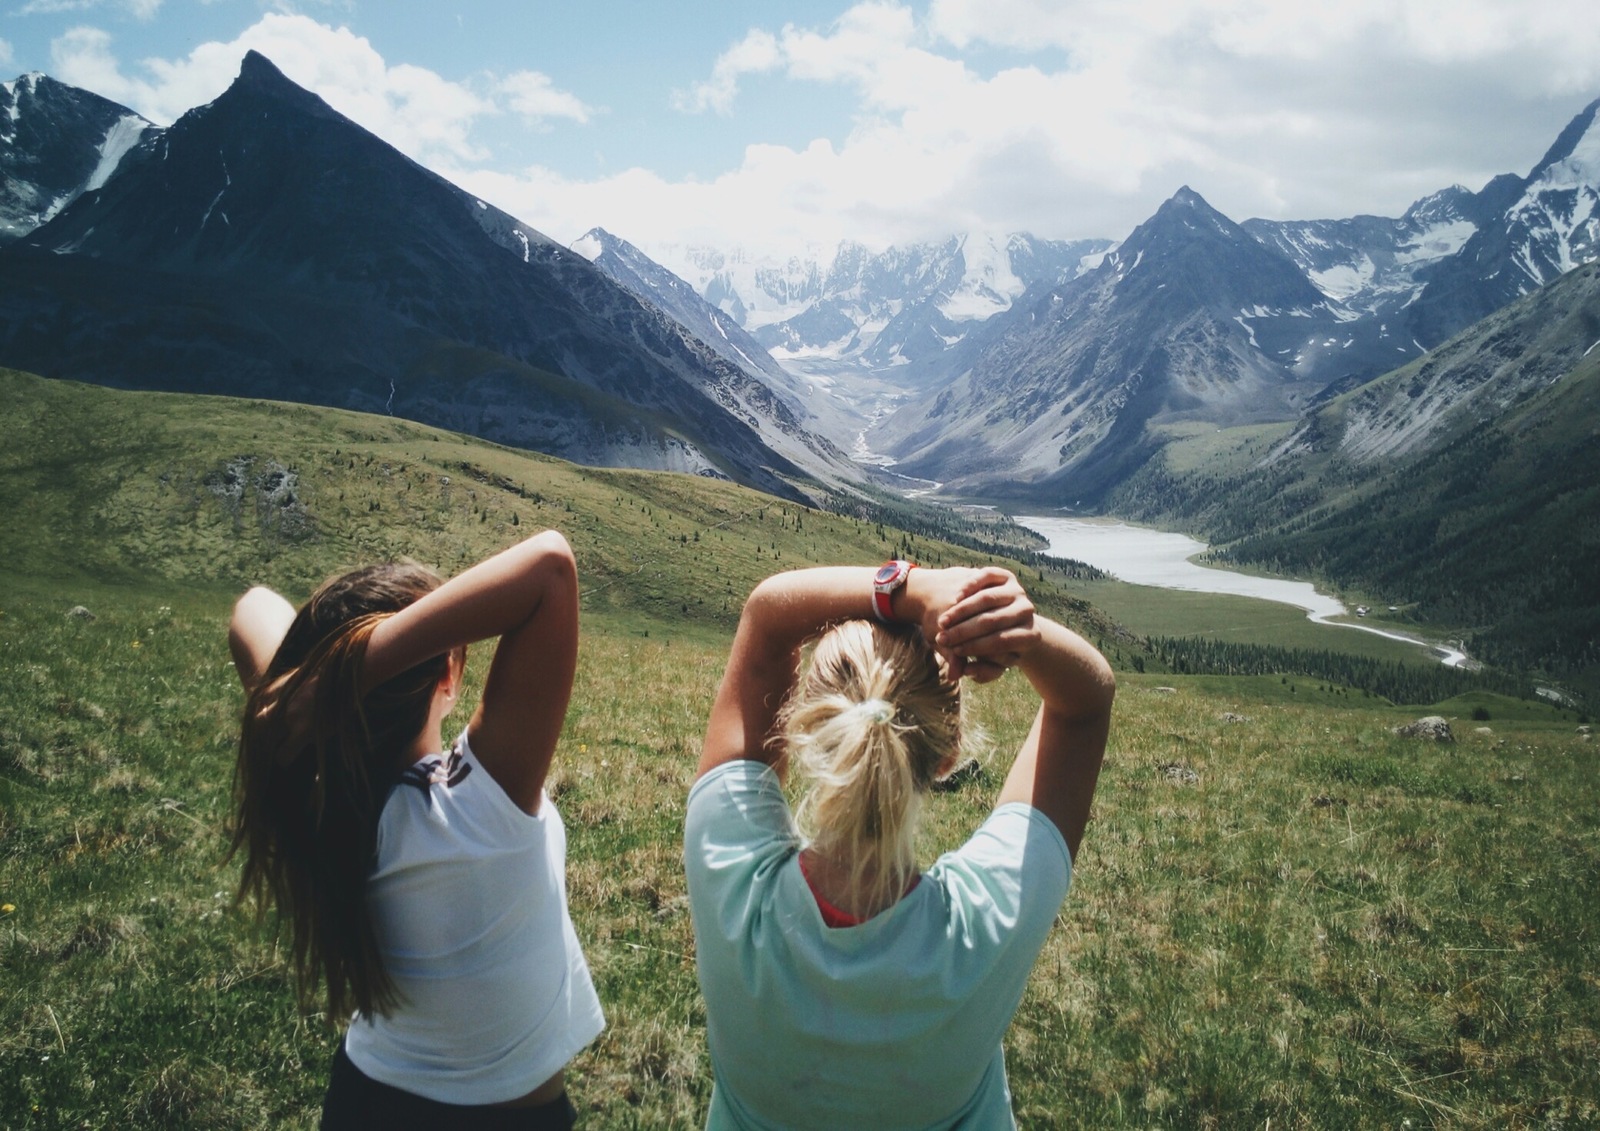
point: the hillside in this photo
(1464, 484)
(129, 489)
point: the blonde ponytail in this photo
(869, 726)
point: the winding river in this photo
(1161, 558)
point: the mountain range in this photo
(1060, 387)
(1379, 401)
(264, 245)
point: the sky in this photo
(784, 126)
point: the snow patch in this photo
(1435, 242)
(226, 182)
(1344, 279)
(123, 135)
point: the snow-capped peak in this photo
(1558, 217)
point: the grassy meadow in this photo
(1283, 914)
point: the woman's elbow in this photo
(551, 560)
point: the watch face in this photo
(886, 573)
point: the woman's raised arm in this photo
(260, 620)
(1058, 765)
(528, 597)
(785, 611)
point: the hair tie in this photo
(879, 711)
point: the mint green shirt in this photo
(895, 1023)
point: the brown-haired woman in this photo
(424, 887)
(843, 987)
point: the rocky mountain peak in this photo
(1200, 256)
(1442, 207)
(259, 78)
(1186, 210)
(1578, 144)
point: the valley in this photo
(1163, 560)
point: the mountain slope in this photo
(1466, 483)
(1168, 326)
(265, 245)
(771, 400)
(55, 142)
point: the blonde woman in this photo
(844, 987)
(424, 886)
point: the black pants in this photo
(356, 1102)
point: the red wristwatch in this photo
(891, 576)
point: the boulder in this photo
(1433, 727)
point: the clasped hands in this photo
(980, 621)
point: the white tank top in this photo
(469, 904)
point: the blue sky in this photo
(778, 126)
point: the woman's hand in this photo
(988, 626)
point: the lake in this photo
(1142, 556)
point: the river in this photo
(1142, 556)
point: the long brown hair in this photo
(307, 817)
(869, 725)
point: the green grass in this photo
(1332, 926)
(1173, 612)
(1328, 926)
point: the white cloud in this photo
(1104, 108)
(534, 96)
(419, 112)
(1099, 111)
(54, 7)
(138, 9)
(757, 53)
